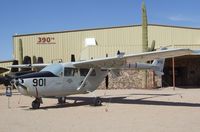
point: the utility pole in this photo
(173, 72)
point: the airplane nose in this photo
(19, 83)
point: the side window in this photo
(84, 72)
(69, 71)
(93, 73)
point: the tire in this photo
(35, 104)
(97, 101)
(61, 100)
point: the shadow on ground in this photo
(81, 101)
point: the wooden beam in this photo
(174, 77)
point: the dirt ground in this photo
(123, 110)
(2, 87)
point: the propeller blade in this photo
(2, 80)
(5, 80)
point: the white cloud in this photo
(181, 18)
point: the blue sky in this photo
(29, 16)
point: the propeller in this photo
(5, 80)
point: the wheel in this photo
(36, 104)
(97, 101)
(61, 100)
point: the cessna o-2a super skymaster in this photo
(63, 79)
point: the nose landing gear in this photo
(36, 103)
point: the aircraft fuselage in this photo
(63, 81)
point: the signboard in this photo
(90, 42)
(46, 40)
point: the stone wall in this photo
(132, 79)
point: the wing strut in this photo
(85, 79)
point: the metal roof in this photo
(89, 29)
(6, 61)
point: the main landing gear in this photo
(36, 103)
(61, 100)
(97, 101)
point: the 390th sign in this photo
(46, 40)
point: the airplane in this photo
(81, 77)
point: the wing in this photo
(117, 62)
(29, 66)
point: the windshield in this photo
(56, 69)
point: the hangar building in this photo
(95, 43)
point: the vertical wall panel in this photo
(127, 39)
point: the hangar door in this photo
(187, 72)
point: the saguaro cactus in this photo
(20, 51)
(144, 28)
(144, 39)
(145, 47)
(34, 62)
(152, 48)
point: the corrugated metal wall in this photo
(127, 39)
(177, 37)
(5, 64)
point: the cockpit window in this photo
(56, 69)
(84, 72)
(70, 71)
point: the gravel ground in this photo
(123, 110)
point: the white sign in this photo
(90, 42)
